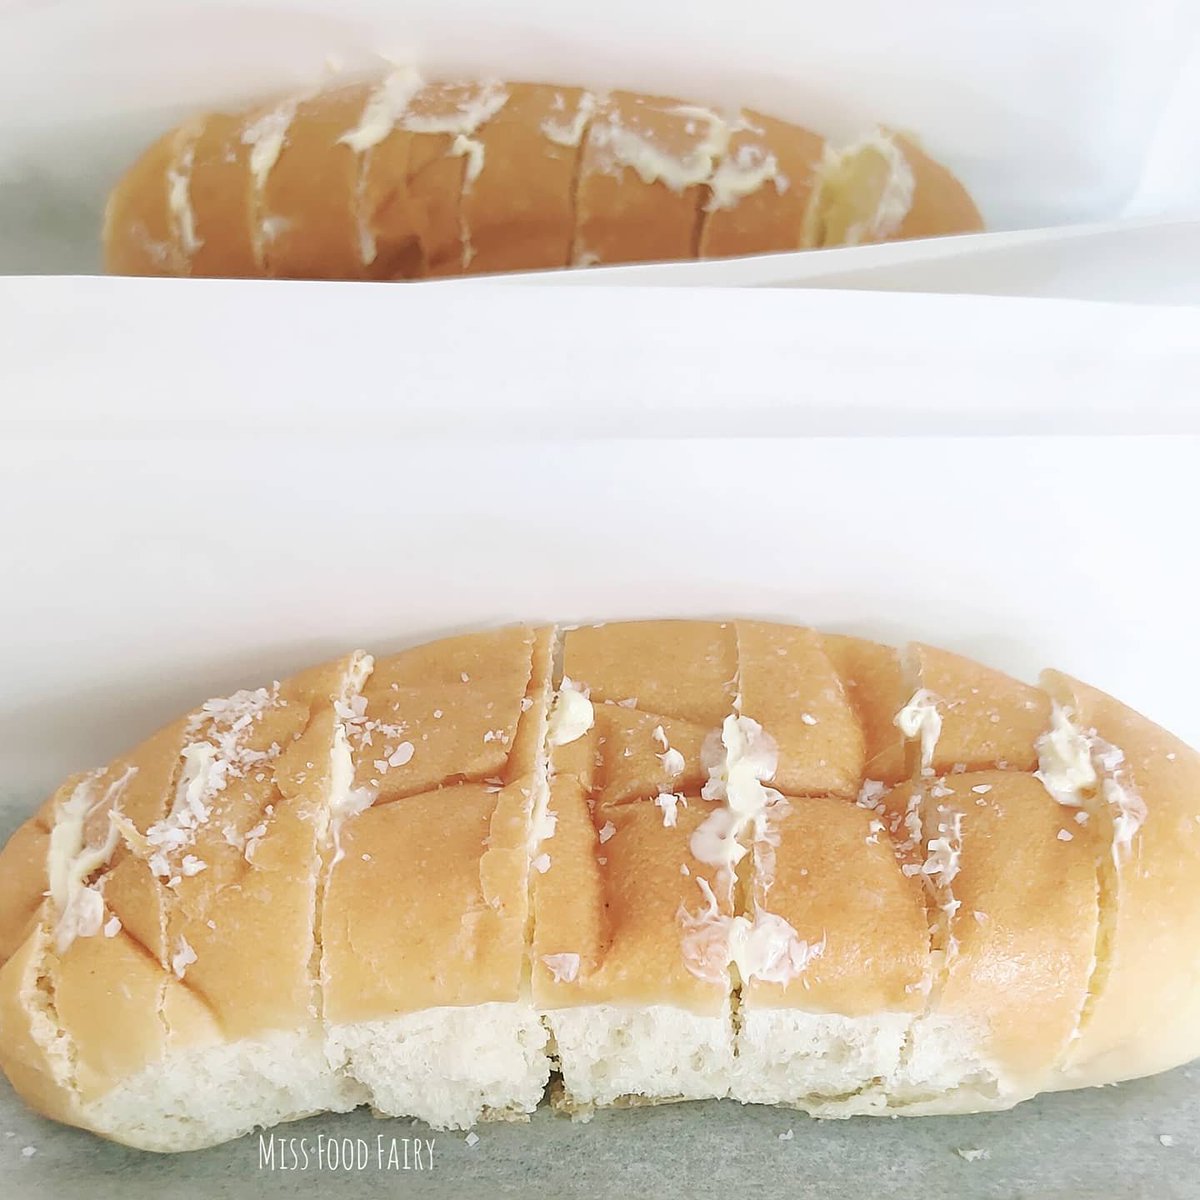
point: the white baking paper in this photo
(212, 360)
(209, 492)
(1129, 262)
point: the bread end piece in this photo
(1143, 1010)
(139, 236)
(886, 188)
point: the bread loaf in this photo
(401, 179)
(661, 860)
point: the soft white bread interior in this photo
(399, 178)
(664, 860)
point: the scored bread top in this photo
(694, 814)
(398, 178)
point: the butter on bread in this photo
(399, 178)
(660, 860)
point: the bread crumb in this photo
(564, 967)
(973, 1155)
(1165, 1139)
(183, 957)
(667, 803)
(472, 1139)
(787, 1137)
(672, 762)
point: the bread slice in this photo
(221, 196)
(310, 194)
(643, 178)
(1016, 887)
(761, 188)
(391, 226)
(886, 188)
(518, 198)
(983, 718)
(671, 867)
(140, 236)
(816, 1037)
(424, 956)
(789, 685)
(877, 687)
(1138, 787)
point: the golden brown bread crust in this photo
(222, 200)
(769, 217)
(1144, 1013)
(23, 879)
(833, 871)
(886, 188)
(310, 196)
(139, 236)
(940, 202)
(876, 687)
(419, 871)
(520, 209)
(988, 719)
(789, 685)
(443, 754)
(1025, 893)
(667, 145)
(396, 179)
(685, 670)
